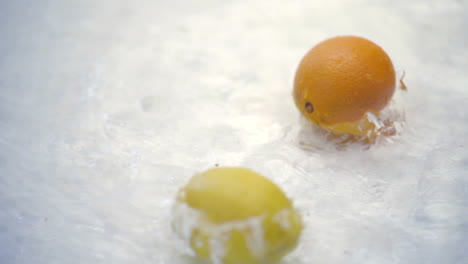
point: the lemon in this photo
(236, 216)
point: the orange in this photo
(342, 79)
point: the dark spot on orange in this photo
(309, 108)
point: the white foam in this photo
(187, 219)
(283, 218)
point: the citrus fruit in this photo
(236, 216)
(340, 81)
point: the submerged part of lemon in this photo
(236, 216)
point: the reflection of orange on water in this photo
(343, 83)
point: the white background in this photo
(108, 107)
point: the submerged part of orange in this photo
(342, 80)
